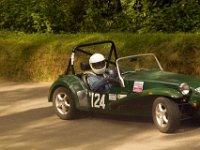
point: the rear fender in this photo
(75, 85)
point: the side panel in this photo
(140, 104)
(171, 93)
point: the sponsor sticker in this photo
(138, 86)
(112, 97)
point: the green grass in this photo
(42, 57)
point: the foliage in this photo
(44, 56)
(31, 16)
(100, 16)
(172, 16)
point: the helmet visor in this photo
(99, 65)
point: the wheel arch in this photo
(52, 90)
(71, 82)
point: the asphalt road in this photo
(27, 122)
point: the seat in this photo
(85, 66)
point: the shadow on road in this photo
(41, 129)
(20, 120)
(37, 127)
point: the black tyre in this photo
(64, 103)
(166, 115)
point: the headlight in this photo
(184, 88)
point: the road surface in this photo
(27, 122)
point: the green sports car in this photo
(141, 88)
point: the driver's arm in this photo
(96, 83)
(112, 73)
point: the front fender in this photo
(72, 82)
(165, 92)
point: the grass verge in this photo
(42, 57)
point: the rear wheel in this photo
(64, 103)
(166, 115)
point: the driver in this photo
(99, 80)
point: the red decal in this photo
(138, 86)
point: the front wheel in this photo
(64, 103)
(166, 115)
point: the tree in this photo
(100, 15)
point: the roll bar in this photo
(79, 47)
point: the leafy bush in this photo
(100, 16)
(31, 16)
(176, 15)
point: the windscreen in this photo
(138, 63)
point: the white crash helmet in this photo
(97, 63)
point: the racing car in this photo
(142, 88)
